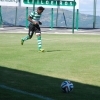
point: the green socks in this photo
(39, 42)
(25, 38)
(38, 39)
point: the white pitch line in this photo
(24, 92)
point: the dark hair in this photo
(41, 8)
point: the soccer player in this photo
(34, 19)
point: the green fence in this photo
(85, 20)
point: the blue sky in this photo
(86, 6)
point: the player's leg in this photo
(30, 34)
(31, 31)
(38, 34)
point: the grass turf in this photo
(66, 57)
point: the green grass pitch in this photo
(66, 57)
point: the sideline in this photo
(45, 30)
(24, 92)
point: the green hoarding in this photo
(50, 2)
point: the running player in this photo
(34, 19)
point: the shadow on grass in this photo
(42, 85)
(52, 50)
(56, 50)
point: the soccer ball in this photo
(67, 86)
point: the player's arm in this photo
(30, 19)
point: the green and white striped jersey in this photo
(35, 16)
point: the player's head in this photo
(40, 9)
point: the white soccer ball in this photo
(67, 86)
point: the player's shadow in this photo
(53, 50)
(56, 50)
(46, 86)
